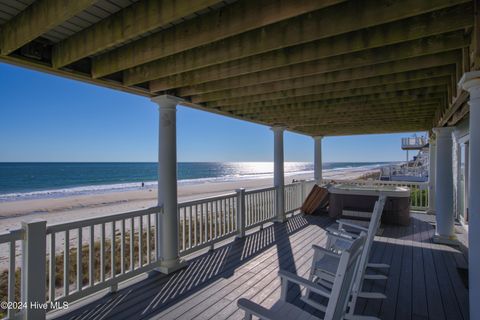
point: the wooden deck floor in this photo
(423, 282)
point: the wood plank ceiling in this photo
(318, 67)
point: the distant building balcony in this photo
(414, 143)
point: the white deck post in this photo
(444, 186)
(278, 173)
(317, 162)
(431, 175)
(471, 82)
(167, 231)
(240, 212)
(34, 248)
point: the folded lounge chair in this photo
(316, 200)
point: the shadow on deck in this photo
(423, 282)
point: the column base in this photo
(170, 266)
(448, 240)
(280, 220)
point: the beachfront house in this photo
(315, 67)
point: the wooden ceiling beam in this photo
(377, 93)
(336, 109)
(447, 59)
(38, 18)
(239, 17)
(278, 68)
(130, 22)
(316, 80)
(422, 118)
(363, 124)
(325, 90)
(426, 110)
(338, 37)
(409, 96)
(355, 128)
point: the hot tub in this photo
(362, 199)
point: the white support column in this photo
(278, 172)
(445, 232)
(431, 175)
(167, 231)
(317, 162)
(471, 82)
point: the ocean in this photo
(33, 180)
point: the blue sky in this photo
(49, 118)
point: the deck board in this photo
(423, 282)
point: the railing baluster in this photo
(157, 230)
(140, 241)
(91, 257)
(112, 247)
(132, 243)
(79, 261)
(102, 252)
(11, 278)
(230, 215)
(210, 218)
(265, 205)
(201, 224)
(189, 227)
(247, 210)
(184, 234)
(149, 249)
(122, 247)
(216, 218)
(195, 226)
(255, 206)
(52, 268)
(224, 216)
(66, 264)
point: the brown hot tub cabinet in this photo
(362, 198)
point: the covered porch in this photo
(425, 281)
(303, 66)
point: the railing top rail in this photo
(257, 190)
(293, 184)
(378, 182)
(207, 199)
(12, 235)
(98, 220)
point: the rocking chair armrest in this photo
(352, 225)
(338, 231)
(340, 236)
(255, 309)
(291, 277)
(325, 251)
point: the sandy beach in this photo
(63, 209)
(56, 210)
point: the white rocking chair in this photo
(338, 296)
(326, 261)
(343, 232)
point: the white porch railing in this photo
(86, 256)
(10, 239)
(205, 221)
(259, 206)
(418, 190)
